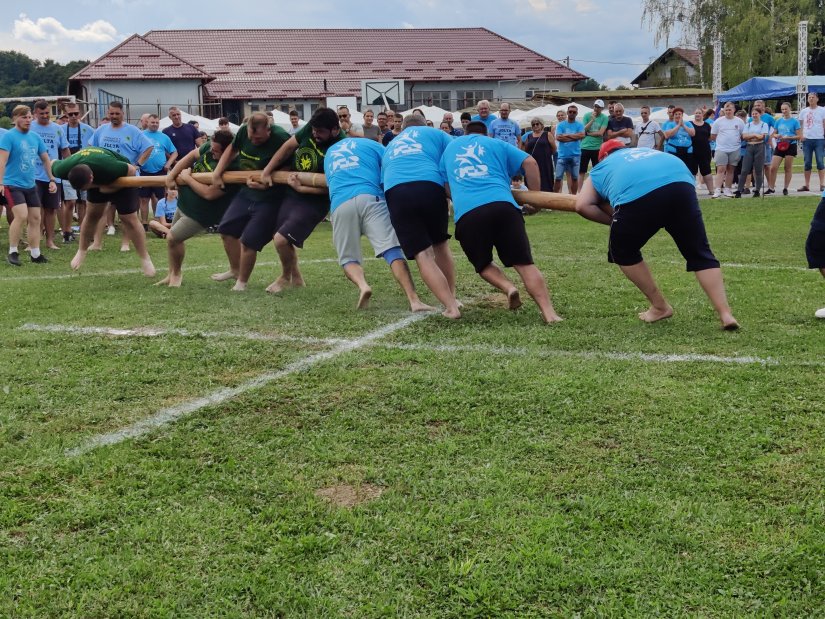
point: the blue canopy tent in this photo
(777, 87)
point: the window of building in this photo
(470, 98)
(438, 98)
(254, 107)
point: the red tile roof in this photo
(691, 56)
(294, 63)
(139, 59)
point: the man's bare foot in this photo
(124, 248)
(95, 247)
(513, 299)
(222, 277)
(175, 280)
(78, 259)
(654, 314)
(452, 314)
(729, 323)
(278, 285)
(297, 281)
(459, 304)
(364, 298)
(163, 282)
(53, 246)
(239, 287)
(148, 268)
(418, 306)
(551, 318)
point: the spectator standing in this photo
(569, 136)
(294, 122)
(812, 119)
(648, 132)
(504, 129)
(465, 119)
(595, 124)
(619, 127)
(484, 114)
(756, 133)
(57, 146)
(726, 131)
(788, 133)
(183, 135)
(679, 138)
(701, 148)
(383, 124)
(448, 118)
(398, 121)
(159, 163)
(77, 135)
(371, 130)
(541, 145)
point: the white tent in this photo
(206, 125)
(434, 114)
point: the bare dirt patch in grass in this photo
(346, 495)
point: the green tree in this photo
(759, 37)
(589, 84)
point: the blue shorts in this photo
(568, 164)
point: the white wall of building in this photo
(146, 96)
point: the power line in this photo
(635, 64)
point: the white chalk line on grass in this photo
(472, 348)
(136, 271)
(173, 413)
(754, 266)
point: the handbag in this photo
(783, 146)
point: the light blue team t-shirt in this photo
(24, 152)
(487, 121)
(681, 138)
(163, 149)
(630, 173)
(505, 130)
(55, 141)
(414, 155)
(787, 126)
(126, 140)
(479, 170)
(570, 149)
(78, 137)
(353, 168)
(166, 209)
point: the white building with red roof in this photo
(235, 72)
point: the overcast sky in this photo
(609, 31)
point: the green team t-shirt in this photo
(254, 157)
(107, 165)
(309, 157)
(591, 142)
(206, 212)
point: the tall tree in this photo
(759, 37)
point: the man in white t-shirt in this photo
(727, 132)
(648, 132)
(812, 119)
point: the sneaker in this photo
(746, 191)
(785, 192)
(768, 192)
(717, 194)
(803, 188)
(755, 193)
(41, 259)
(68, 237)
(820, 313)
(737, 195)
(14, 259)
(110, 231)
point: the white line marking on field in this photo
(755, 266)
(159, 332)
(473, 348)
(173, 413)
(136, 271)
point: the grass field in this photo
(202, 453)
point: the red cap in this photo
(609, 146)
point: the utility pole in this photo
(802, 67)
(717, 66)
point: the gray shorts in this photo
(184, 227)
(723, 158)
(362, 215)
(70, 193)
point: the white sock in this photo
(13, 250)
(35, 252)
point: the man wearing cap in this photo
(478, 170)
(626, 191)
(595, 124)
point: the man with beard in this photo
(303, 208)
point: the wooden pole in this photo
(536, 199)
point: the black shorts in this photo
(673, 207)
(815, 245)
(252, 221)
(299, 214)
(124, 200)
(48, 200)
(419, 214)
(588, 155)
(499, 225)
(687, 158)
(791, 152)
(702, 162)
(148, 192)
(23, 195)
